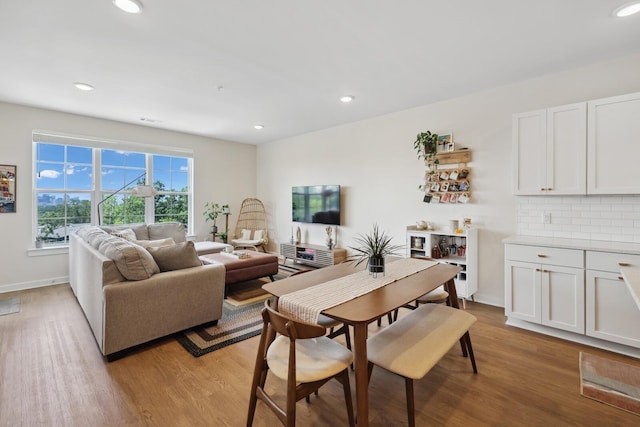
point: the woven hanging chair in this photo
(251, 228)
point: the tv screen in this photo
(319, 204)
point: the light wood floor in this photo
(52, 374)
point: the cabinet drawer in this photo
(609, 261)
(545, 255)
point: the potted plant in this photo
(211, 212)
(426, 145)
(45, 230)
(373, 247)
(223, 236)
(225, 209)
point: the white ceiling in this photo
(284, 63)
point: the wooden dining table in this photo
(365, 309)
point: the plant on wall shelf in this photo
(426, 144)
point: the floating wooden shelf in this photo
(451, 157)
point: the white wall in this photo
(216, 178)
(374, 162)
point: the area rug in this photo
(251, 291)
(9, 306)
(237, 324)
(611, 382)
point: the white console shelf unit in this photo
(420, 244)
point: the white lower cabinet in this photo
(540, 289)
(575, 294)
(612, 314)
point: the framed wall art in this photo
(445, 142)
(7, 188)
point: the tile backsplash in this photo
(610, 218)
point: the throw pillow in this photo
(246, 235)
(133, 261)
(125, 233)
(161, 230)
(155, 243)
(176, 257)
(258, 235)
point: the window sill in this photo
(49, 250)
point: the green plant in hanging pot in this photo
(426, 145)
(373, 248)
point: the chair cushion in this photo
(258, 235)
(175, 257)
(245, 235)
(316, 358)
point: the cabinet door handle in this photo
(624, 264)
(542, 256)
(549, 189)
(543, 189)
(537, 269)
(545, 271)
(620, 278)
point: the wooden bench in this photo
(411, 346)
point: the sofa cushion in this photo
(133, 261)
(92, 235)
(125, 233)
(139, 229)
(155, 243)
(160, 230)
(176, 257)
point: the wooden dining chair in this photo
(303, 357)
(335, 327)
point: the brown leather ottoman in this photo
(258, 265)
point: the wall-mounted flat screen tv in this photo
(318, 204)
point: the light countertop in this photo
(590, 245)
(631, 277)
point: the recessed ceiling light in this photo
(129, 6)
(347, 99)
(627, 9)
(258, 127)
(83, 86)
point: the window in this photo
(70, 193)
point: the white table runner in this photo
(306, 304)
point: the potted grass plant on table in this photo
(373, 248)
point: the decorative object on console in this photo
(373, 248)
(140, 190)
(329, 231)
(298, 235)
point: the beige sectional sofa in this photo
(131, 295)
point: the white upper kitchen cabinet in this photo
(613, 144)
(550, 151)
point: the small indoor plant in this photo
(426, 145)
(373, 247)
(223, 236)
(211, 213)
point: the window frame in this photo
(95, 191)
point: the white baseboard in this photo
(570, 336)
(12, 287)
